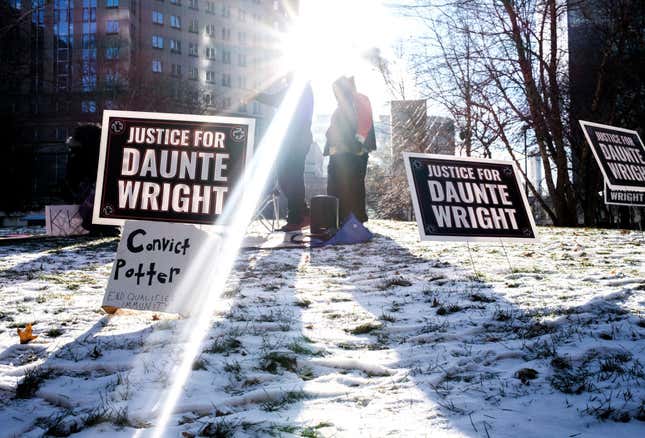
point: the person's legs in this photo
(343, 182)
(359, 209)
(292, 182)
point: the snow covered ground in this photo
(390, 338)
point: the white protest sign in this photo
(64, 220)
(152, 262)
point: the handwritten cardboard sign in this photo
(64, 220)
(457, 198)
(169, 167)
(150, 270)
(620, 154)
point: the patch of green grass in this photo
(303, 302)
(449, 309)
(200, 364)
(54, 332)
(363, 329)
(306, 373)
(32, 380)
(228, 344)
(287, 398)
(395, 281)
(219, 429)
(299, 348)
(273, 361)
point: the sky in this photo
(330, 38)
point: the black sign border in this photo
(607, 202)
(439, 238)
(97, 217)
(583, 125)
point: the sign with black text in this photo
(620, 155)
(169, 167)
(457, 198)
(152, 261)
(624, 197)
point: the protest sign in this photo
(151, 266)
(470, 199)
(169, 167)
(620, 155)
(64, 220)
(624, 197)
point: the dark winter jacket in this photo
(298, 134)
(352, 128)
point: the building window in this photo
(193, 49)
(175, 46)
(175, 22)
(226, 103)
(176, 70)
(241, 37)
(257, 109)
(156, 66)
(194, 25)
(226, 56)
(175, 2)
(193, 4)
(241, 60)
(88, 106)
(226, 11)
(211, 52)
(210, 29)
(157, 42)
(157, 17)
(111, 53)
(193, 73)
(16, 4)
(112, 26)
(226, 80)
(243, 107)
(111, 3)
(241, 82)
(226, 34)
(210, 7)
(241, 15)
(210, 76)
(208, 100)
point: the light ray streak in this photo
(207, 277)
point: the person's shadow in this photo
(370, 330)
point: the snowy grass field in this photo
(389, 338)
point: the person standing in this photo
(294, 150)
(82, 167)
(350, 139)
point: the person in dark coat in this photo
(291, 159)
(350, 139)
(82, 167)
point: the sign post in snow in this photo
(169, 167)
(151, 266)
(620, 155)
(470, 199)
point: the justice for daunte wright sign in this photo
(471, 199)
(169, 167)
(619, 153)
(624, 197)
(151, 267)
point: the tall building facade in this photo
(606, 42)
(65, 61)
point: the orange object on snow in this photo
(26, 335)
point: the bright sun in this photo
(330, 38)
